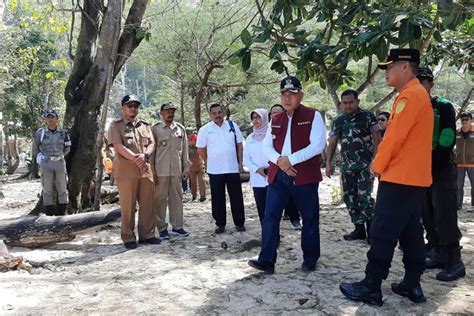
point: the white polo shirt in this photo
(220, 144)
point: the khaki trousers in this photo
(197, 177)
(132, 191)
(168, 193)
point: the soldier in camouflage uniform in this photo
(358, 132)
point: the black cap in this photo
(168, 105)
(424, 73)
(46, 113)
(291, 84)
(130, 98)
(406, 54)
(466, 114)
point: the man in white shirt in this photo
(293, 145)
(219, 143)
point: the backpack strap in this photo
(42, 136)
(232, 129)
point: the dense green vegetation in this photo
(194, 53)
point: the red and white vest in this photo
(309, 171)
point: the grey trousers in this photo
(461, 175)
(54, 175)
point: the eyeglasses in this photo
(382, 119)
(132, 105)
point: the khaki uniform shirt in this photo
(197, 164)
(136, 136)
(171, 153)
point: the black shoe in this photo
(61, 209)
(219, 230)
(438, 259)
(50, 210)
(358, 233)
(130, 245)
(360, 292)
(151, 241)
(193, 198)
(455, 268)
(414, 294)
(308, 266)
(240, 228)
(202, 199)
(268, 269)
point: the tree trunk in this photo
(201, 92)
(37, 231)
(181, 101)
(84, 155)
(98, 58)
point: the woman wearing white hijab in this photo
(256, 161)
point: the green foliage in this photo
(34, 66)
(321, 38)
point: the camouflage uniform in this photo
(354, 132)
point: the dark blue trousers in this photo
(218, 183)
(307, 201)
(260, 195)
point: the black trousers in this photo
(260, 195)
(440, 217)
(398, 211)
(218, 183)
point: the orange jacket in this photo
(404, 155)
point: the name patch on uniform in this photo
(304, 123)
(276, 126)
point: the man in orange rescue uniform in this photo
(403, 163)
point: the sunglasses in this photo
(132, 105)
(382, 119)
(465, 119)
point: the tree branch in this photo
(368, 81)
(237, 85)
(465, 103)
(383, 101)
(129, 40)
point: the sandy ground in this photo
(208, 274)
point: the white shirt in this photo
(220, 145)
(317, 139)
(254, 159)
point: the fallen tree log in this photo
(37, 231)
